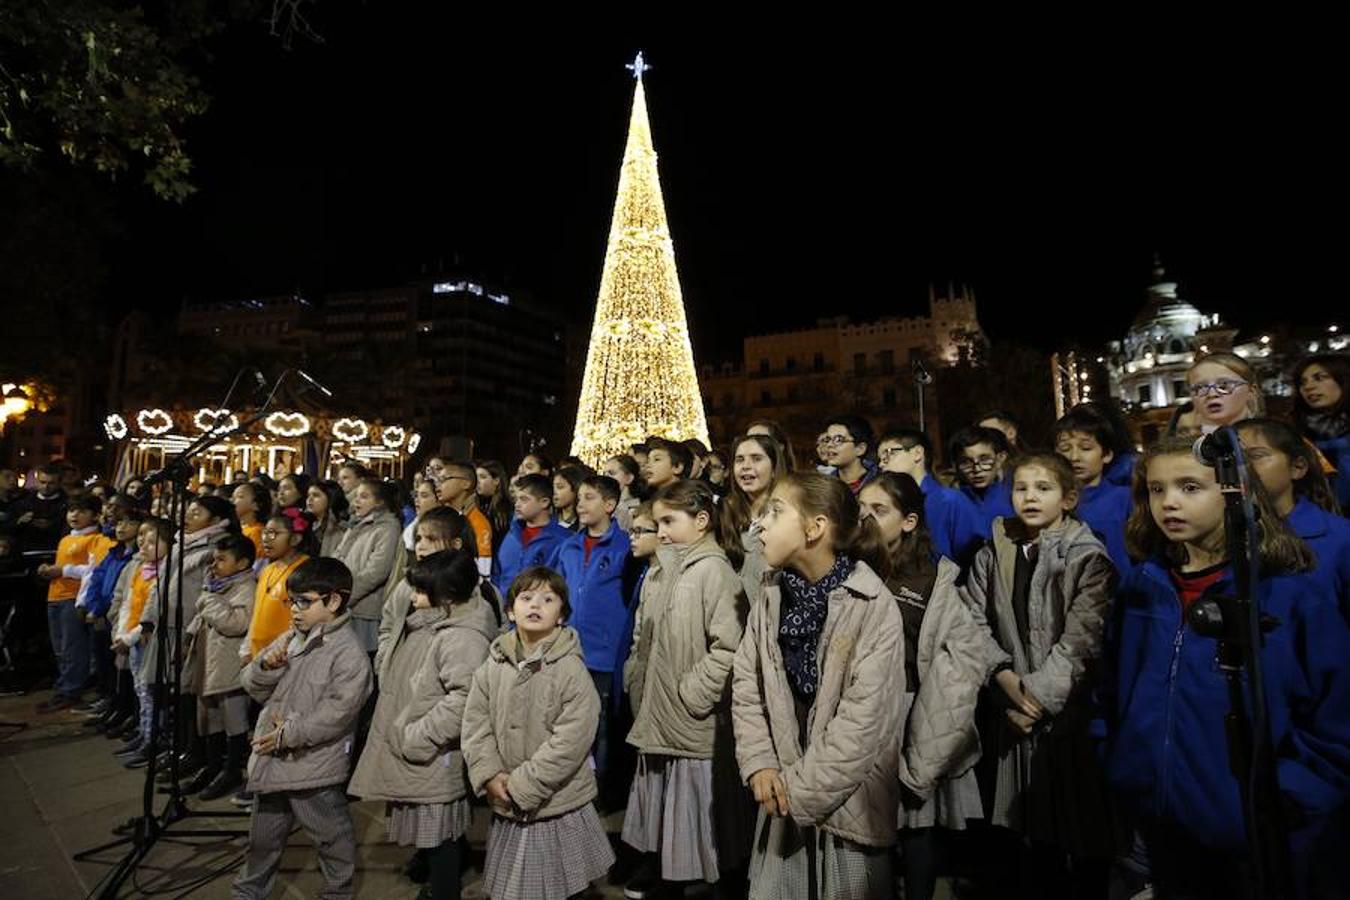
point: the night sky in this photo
(814, 172)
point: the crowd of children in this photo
(833, 680)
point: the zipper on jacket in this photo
(1164, 780)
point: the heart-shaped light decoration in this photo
(216, 421)
(154, 421)
(414, 441)
(353, 431)
(115, 427)
(392, 437)
(287, 424)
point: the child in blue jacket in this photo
(595, 564)
(1165, 698)
(535, 535)
(1291, 472)
(1088, 443)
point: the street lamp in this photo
(17, 401)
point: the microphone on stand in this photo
(312, 383)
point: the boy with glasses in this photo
(978, 455)
(848, 441)
(953, 521)
(457, 488)
(314, 680)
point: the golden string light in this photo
(640, 378)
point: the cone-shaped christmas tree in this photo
(640, 377)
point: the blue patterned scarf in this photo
(801, 620)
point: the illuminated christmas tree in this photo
(640, 377)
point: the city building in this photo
(1146, 370)
(489, 366)
(875, 369)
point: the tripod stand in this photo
(150, 827)
(1236, 622)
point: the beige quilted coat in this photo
(940, 739)
(536, 721)
(1049, 786)
(691, 621)
(844, 781)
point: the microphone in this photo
(314, 384)
(1210, 448)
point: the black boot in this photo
(215, 761)
(231, 776)
(194, 757)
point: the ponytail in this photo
(856, 536)
(692, 496)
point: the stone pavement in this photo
(61, 790)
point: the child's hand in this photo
(499, 798)
(770, 792)
(269, 743)
(51, 573)
(1011, 684)
(276, 659)
(1022, 725)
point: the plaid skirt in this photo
(670, 811)
(954, 802)
(787, 858)
(427, 825)
(547, 859)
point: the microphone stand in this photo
(150, 828)
(1238, 625)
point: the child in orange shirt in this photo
(66, 627)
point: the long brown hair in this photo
(500, 510)
(778, 434)
(855, 535)
(912, 552)
(736, 503)
(1279, 548)
(1282, 437)
(691, 496)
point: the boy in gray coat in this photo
(314, 680)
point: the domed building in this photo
(1148, 368)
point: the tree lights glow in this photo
(640, 378)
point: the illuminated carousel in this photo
(281, 443)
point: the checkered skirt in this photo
(427, 825)
(548, 859)
(787, 857)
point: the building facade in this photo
(1146, 369)
(799, 378)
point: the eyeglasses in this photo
(888, 452)
(1223, 387)
(302, 603)
(639, 532)
(983, 464)
(443, 479)
(836, 439)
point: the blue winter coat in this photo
(1105, 508)
(1121, 469)
(1329, 537)
(1165, 700)
(1337, 452)
(994, 503)
(103, 580)
(953, 521)
(515, 557)
(596, 592)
